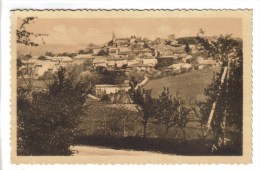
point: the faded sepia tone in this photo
(157, 87)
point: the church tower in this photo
(114, 38)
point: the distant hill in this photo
(54, 48)
(192, 40)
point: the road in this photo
(112, 156)
(97, 151)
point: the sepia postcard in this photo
(131, 86)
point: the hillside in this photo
(189, 85)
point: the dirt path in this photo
(97, 151)
(102, 155)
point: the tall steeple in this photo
(114, 38)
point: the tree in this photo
(166, 112)
(115, 76)
(81, 52)
(187, 48)
(145, 104)
(157, 41)
(49, 54)
(23, 36)
(110, 43)
(225, 94)
(102, 53)
(19, 63)
(167, 42)
(171, 113)
(47, 125)
(218, 49)
(42, 57)
(145, 45)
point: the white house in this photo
(150, 61)
(102, 89)
(178, 67)
(44, 66)
(100, 61)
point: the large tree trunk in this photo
(145, 128)
(184, 134)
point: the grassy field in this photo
(189, 86)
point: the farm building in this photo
(102, 89)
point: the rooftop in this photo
(170, 56)
(84, 56)
(139, 65)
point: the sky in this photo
(99, 30)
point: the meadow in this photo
(188, 86)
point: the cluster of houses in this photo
(133, 53)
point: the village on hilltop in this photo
(133, 56)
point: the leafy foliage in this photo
(218, 48)
(42, 57)
(115, 76)
(24, 36)
(145, 104)
(228, 95)
(170, 112)
(49, 54)
(187, 48)
(231, 99)
(167, 110)
(46, 125)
